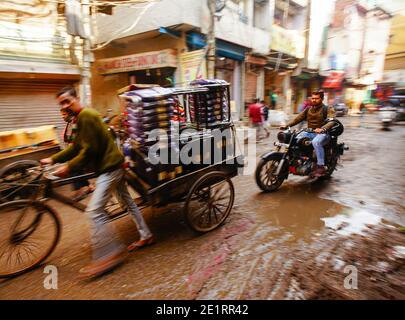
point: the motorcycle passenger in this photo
(316, 116)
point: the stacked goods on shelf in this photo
(149, 115)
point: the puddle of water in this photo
(351, 221)
(399, 252)
(299, 211)
(296, 210)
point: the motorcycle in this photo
(297, 157)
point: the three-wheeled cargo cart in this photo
(201, 149)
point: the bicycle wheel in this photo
(17, 178)
(29, 232)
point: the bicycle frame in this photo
(50, 192)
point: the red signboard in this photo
(334, 80)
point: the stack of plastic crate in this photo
(150, 112)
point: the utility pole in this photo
(211, 41)
(363, 42)
(87, 55)
(307, 34)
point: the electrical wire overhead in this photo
(125, 30)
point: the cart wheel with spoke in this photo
(209, 201)
(29, 232)
(15, 180)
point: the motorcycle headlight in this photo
(283, 136)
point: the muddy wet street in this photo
(250, 256)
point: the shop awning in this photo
(334, 80)
(223, 48)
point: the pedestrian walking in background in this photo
(266, 119)
(256, 118)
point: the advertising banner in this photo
(287, 41)
(192, 65)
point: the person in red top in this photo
(256, 117)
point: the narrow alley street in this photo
(270, 245)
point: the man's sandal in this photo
(141, 243)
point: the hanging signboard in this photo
(140, 61)
(287, 41)
(193, 65)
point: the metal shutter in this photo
(27, 104)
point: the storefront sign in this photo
(287, 41)
(334, 80)
(141, 61)
(192, 65)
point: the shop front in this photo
(287, 47)
(228, 66)
(30, 124)
(154, 67)
(27, 98)
(254, 78)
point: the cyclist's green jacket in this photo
(93, 146)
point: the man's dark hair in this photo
(70, 90)
(318, 93)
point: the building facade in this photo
(393, 81)
(246, 55)
(35, 62)
(353, 62)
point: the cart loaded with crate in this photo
(181, 147)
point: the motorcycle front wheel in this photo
(331, 163)
(266, 177)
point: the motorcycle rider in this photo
(316, 116)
